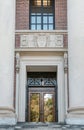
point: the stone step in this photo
(29, 126)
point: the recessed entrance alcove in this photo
(41, 82)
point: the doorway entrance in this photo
(33, 63)
(41, 97)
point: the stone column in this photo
(7, 28)
(76, 61)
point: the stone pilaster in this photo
(76, 61)
(65, 80)
(17, 83)
(7, 28)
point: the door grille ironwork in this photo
(41, 82)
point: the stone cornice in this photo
(41, 31)
(41, 49)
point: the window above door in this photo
(42, 15)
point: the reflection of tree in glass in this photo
(49, 102)
(34, 116)
(34, 108)
(48, 110)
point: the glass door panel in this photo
(34, 107)
(42, 105)
(48, 108)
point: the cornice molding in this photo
(41, 49)
(40, 31)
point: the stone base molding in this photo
(78, 110)
(7, 116)
(75, 116)
(75, 119)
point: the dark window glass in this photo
(42, 14)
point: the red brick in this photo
(22, 14)
(60, 14)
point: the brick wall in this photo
(22, 14)
(61, 14)
(17, 40)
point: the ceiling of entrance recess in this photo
(41, 68)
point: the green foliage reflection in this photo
(48, 108)
(34, 108)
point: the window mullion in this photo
(47, 22)
(42, 14)
(35, 21)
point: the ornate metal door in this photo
(41, 105)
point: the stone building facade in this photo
(41, 61)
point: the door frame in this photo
(25, 61)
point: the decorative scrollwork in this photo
(41, 82)
(65, 61)
(17, 62)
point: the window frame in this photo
(41, 15)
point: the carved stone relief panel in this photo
(41, 40)
(27, 41)
(59, 40)
(23, 41)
